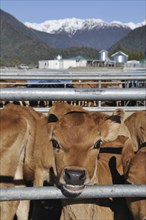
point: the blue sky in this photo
(108, 10)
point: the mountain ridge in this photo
(95, 38)
(135, 41)
(71, 25)
(74, 32)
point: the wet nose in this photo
(74, 177)
(144, 218)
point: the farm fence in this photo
(38, 193)
(103, 89)
(134, 90)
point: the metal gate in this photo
(107, 89)
(134, 90)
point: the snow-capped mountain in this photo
(73, 32)
(72, 25)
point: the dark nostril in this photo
(82, 175)
(74, 177)
(67, 174)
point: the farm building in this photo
(103, 55)
(119, 57)
(59, 63)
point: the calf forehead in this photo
(78, 127)
(76, 120)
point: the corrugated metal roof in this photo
(119, 52)
(103, 50)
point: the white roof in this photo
(120, 53)
(103, 50)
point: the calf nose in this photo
(144, 218)
(74, 177)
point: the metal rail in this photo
(72, 94)
(106, 191)
(65, 72)
(101, 109)
(72, 77)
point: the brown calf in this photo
(76, 136)
(135, 173)
(25, 153)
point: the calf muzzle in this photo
(74, 177)
(74, 180)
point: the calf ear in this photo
(58, 110)
(52, 118)
(127, 155)
(113, 125)
(118, 115)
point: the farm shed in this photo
(103, 55)
(59, 63)
(119, 57)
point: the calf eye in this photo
(97, 144)
(55, 144)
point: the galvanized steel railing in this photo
(72, 94)
(99, 109)
(72, 77)
(106, 191)
(54, 94)
(86, 75)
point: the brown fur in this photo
(14, 84)
(114, 158)
(135, 173)
(136, 124)
(25, 150)
(134, 160)
(95, 84)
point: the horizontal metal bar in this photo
(66, 72)
(97, 109)
(103, 109)
(72, 77)
(70, 74)
(72, 94)
(37, 193)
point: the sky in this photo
(37, 11)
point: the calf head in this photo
(136, 124)
(76, 137)
(136, 174)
